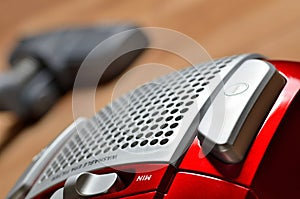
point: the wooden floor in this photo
(223, 28)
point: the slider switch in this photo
(86, 185)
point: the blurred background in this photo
(223, 28)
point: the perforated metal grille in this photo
(144, 118)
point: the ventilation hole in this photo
(43, 178)
(135, 130)
(73, 161)
(57, 169)
(180, 92)
(154, 127)
(65, 165)
(114, 129)
(210, 77)
(194, 96)
(106, 150)
(177, 87)
(94, 147)
(170, 94)
(189, 91)
(124, 145)
(191, 80)
(129, 137)
(144, 128)
(151, 108)
(108, 137)
(182, 81)
(143, 143)
(175, 98)
(155, 113)
(126, 131)
(78, 154)
(139, 136)
(200, 79)
(149, 121)
(130, 125)
(184, 110)
(189, 103)
(216, 71)
(105, 132)
(165, 100)
(111, 142)
(205, 83)
(137, 117)
(159, 119)
(127, 120)
(159, 133)
(160, 106)
(170, 105)
(222, 66)
(174, 111)
(179, 104)
(164, 141)
(102, 145)
(163, 126)
(88, 155)
(133, 113)
(97, 152)
(196, 84)
(139, 104)
(117, 134)
(227, 61)
(186, 85)
(199, 90)
(164, 112)
(152, 98)
(121, 139)
(70, 157)
(148, 134)
(115, 147)
(162, 95)
(143, 110)
(178, 118)
(153, 142)
(146, 115)
(174, 125)
(147, 104)
(111, 125)
(134, 144)
(80, 158)
(184, 97)
(156, 102)
(169, 118)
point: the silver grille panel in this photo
(153, 123)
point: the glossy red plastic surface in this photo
(188, 185)
(150, 195)
(279, 171)
(244, 172)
